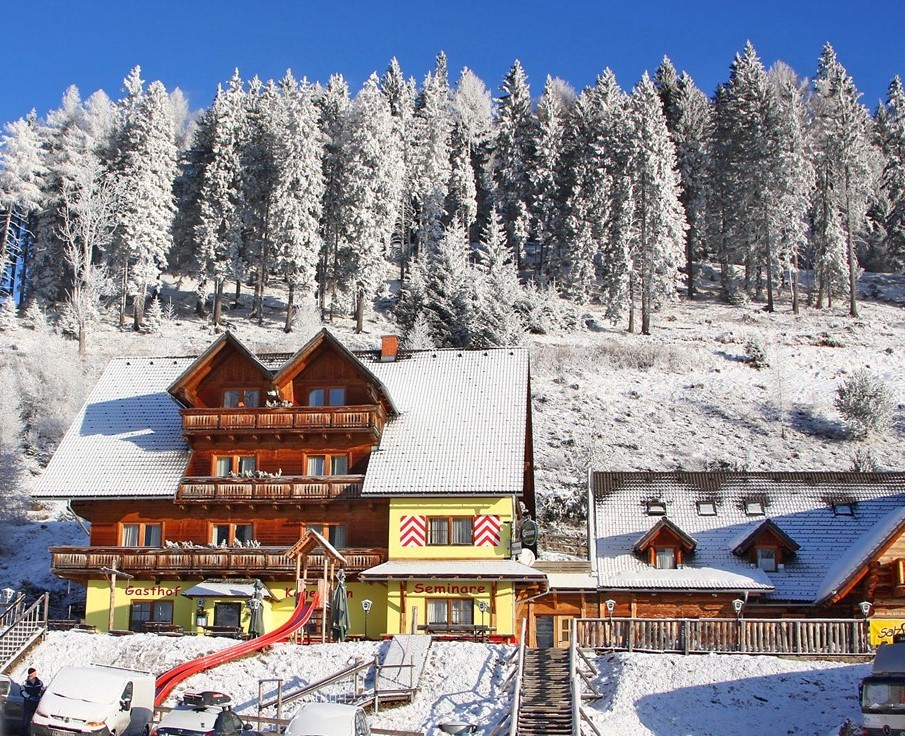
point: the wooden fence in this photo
(836, 637)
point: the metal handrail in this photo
(353, 669)
(24, 631)
(517, 695)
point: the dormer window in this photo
(656, 508)
(327, 396)
(766, 558)
(766, 546)
(665, 545)
(706, 508)
(665, 558)
(236, 398)
(843, 508)
(754, 507)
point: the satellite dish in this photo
(526, 557)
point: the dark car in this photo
(11, 706)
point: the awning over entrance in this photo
(471, 569)
(225, 589)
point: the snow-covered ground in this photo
(659, 695)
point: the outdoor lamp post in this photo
(7, 594)
(366, 607)
(200, 614)
(737, 605)
(865, 608)
(482, 607)
(610, 607)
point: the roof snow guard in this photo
(831, 551)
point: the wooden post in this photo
(324, 605)
(112, 600)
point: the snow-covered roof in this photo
(800, 504)
(461, 428)
(126, 440)
(461, 424)
(225, 589)
(430, 569)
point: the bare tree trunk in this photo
(237, 302)
(689, 262)
(795, 292)
(769, 269)
(218, 301)
(123, 299)
(138, 309)
(631, 303)
(290, 308)
(852, 255)
(360, 310)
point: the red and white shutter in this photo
(413, 531)
(487, 531)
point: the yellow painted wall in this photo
(883, 629)
(418, 592)
(399, 507)
(276, 612)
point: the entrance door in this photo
(227, 614)
(543, 634)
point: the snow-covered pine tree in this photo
(513, 156)
(891, 134)
(400, 93)
(373, 183)
(499, 296)
(433, 130)
(546, 172)
(689, 119)
(410, 305)
(298, 196)
(462, 200)
(474, 114)
(218, 232)
(842, 160)
(22, 171)
(9, 315)
(145, 168)
(449, 305)
(659, 221)
(334, 106)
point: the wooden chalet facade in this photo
(199, 475)
(727, 545)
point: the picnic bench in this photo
(161, 627)
(234, 631)
(477, 632)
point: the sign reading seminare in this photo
(449, 589)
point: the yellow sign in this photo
(883, 629)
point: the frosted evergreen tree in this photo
(218, 233)
(659, 221)
(689, 120)
(334, 110)
(145, 168)
(449, 305)
(545, 175)
(419, 336)
(473, 108)
(298, 196)
(373, 183)
(400, 93)
(22, 171)
(514, 153)
(462, 202)
(433, 130)
(499, 296)
(891, 134)
(410, 306)
(9, 315)
(842, 163)
(154, 315)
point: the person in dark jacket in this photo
(32, 690)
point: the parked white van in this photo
(100, 701)
(328, 719)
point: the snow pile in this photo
(642, 694)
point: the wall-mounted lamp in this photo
(865, 608)
(366, 607)
(737, 605)
(610, 606)
(7, 594)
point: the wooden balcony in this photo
(155, 562)
(283, 420)
(282, 489)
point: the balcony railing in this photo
(268, 562)
(274, 489)
(297, 419)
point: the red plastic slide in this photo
(171, 678)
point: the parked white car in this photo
(328, 719)
(206, 713)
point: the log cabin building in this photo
(201, 475)
(720, 545)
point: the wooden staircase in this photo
(20, 630)
(545, 707)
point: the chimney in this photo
(389, 347)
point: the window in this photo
(225, 466)
(228, 614)
(319, 465)
(450, 611)
(443, 530)
(706, 508)
(766, 559)
(843, 509)
(235, 398)
(141, 535)
(335, 396)
(665, 558)
(144, 611)
(754, 508)
(656, 508)
(230, 534)
(333, 533)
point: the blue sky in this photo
(193, 44)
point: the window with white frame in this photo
(665, 558)
(141, 535)
(450, 611)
